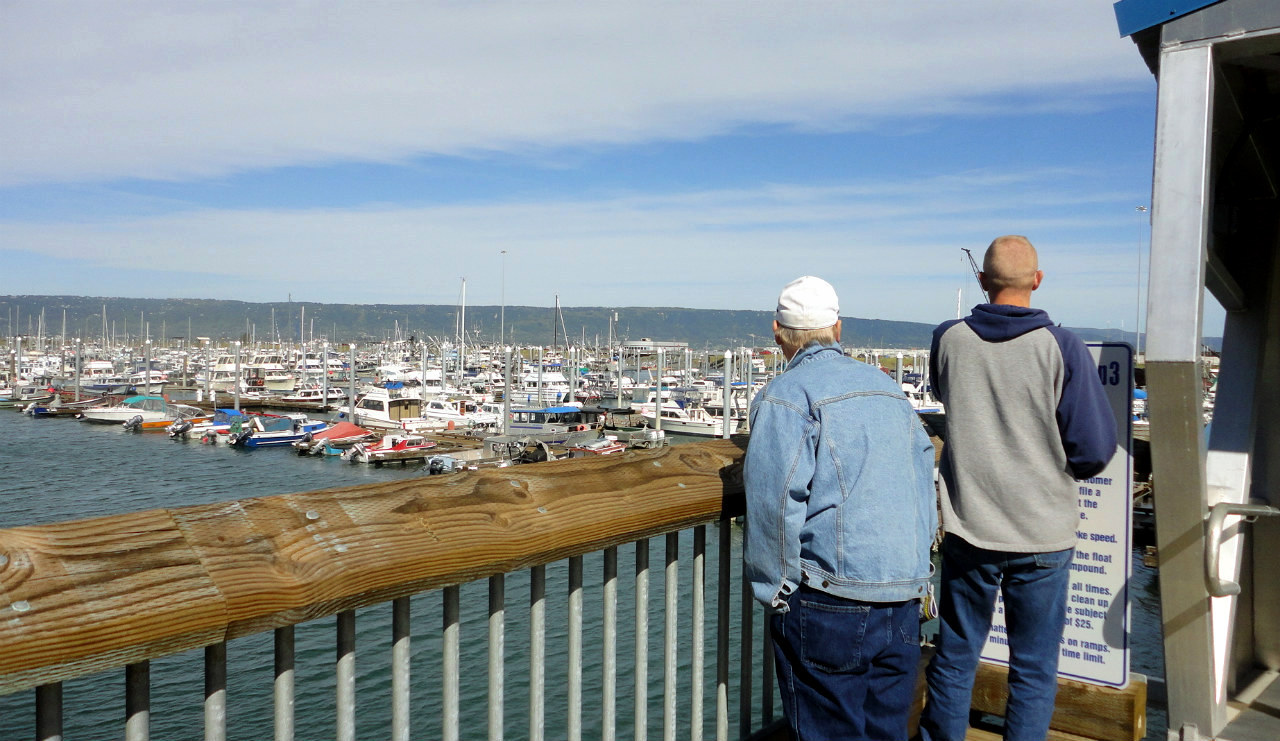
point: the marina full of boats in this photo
(449, 406)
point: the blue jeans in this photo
(846, 669)
(1035, 603)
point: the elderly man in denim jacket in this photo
(841, 515)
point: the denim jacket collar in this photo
(811, 352)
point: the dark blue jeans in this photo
(846, 669)
(1035, 602)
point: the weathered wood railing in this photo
(87, 596)
(84, 597)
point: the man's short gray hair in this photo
(802, 338)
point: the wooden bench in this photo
(1083, 711)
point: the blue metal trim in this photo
(1133, 16)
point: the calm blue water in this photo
(60, 469)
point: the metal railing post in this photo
(723, 601)
(574, 730)
(744, 659)
(609, 639)
(346, 676)
(49, 712)
(698, 632)
(401, 653)
(537, 652)
(642, 641)
(450, 664)
(671, 588)
(215, 692)
(137, 701)
(497, 650)
(283, 686)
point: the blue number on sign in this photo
(1109, 373)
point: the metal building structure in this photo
(1215, 227)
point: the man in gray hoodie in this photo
(1026, 418)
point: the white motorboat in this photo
(148, 408)
(691, 421)
(316, 394)
(458, 413)
(266, 372)
(389, 407)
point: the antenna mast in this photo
(973, 265)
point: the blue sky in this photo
(693, 154)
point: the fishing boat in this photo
(394, 447)
(555, 424)
(219, 425)
(458, 414)
(149, 382)
(173, 413)
(149, 408)
(534, 387)
(593, 448)
(391, 406)
(267, 372)
(24, 395)
(316, 394)
(56, 407)
(689, 421)
(333, 439)
(275, 430)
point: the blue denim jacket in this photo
(839, 480)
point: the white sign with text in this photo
(1095, 640)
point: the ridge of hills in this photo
(87, 317)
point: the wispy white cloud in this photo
(166, 90)
(892, 248)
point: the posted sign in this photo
(1095, 639)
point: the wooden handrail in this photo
(85, 596)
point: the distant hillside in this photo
(340, 323)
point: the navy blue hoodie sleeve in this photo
(1085, 421)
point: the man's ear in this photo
(982, 279)
(1039, 277)
(836, 330)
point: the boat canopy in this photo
(275, 424)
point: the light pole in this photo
(1137, 322)
(502, 315)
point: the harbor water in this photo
(53, 470)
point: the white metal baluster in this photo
(671, 589)
(497, 651)
(451, 665)
(215, 692)
(642, 641)
(744, 659)
(49, 712)
(574, 730)
(346, 676)
(698, 634)
(401, 653)
(537, 651)
(609, 636)
(723, 585)
(137, 701)
(284, 683)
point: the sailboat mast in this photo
(462, 326)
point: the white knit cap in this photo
(808, 303)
